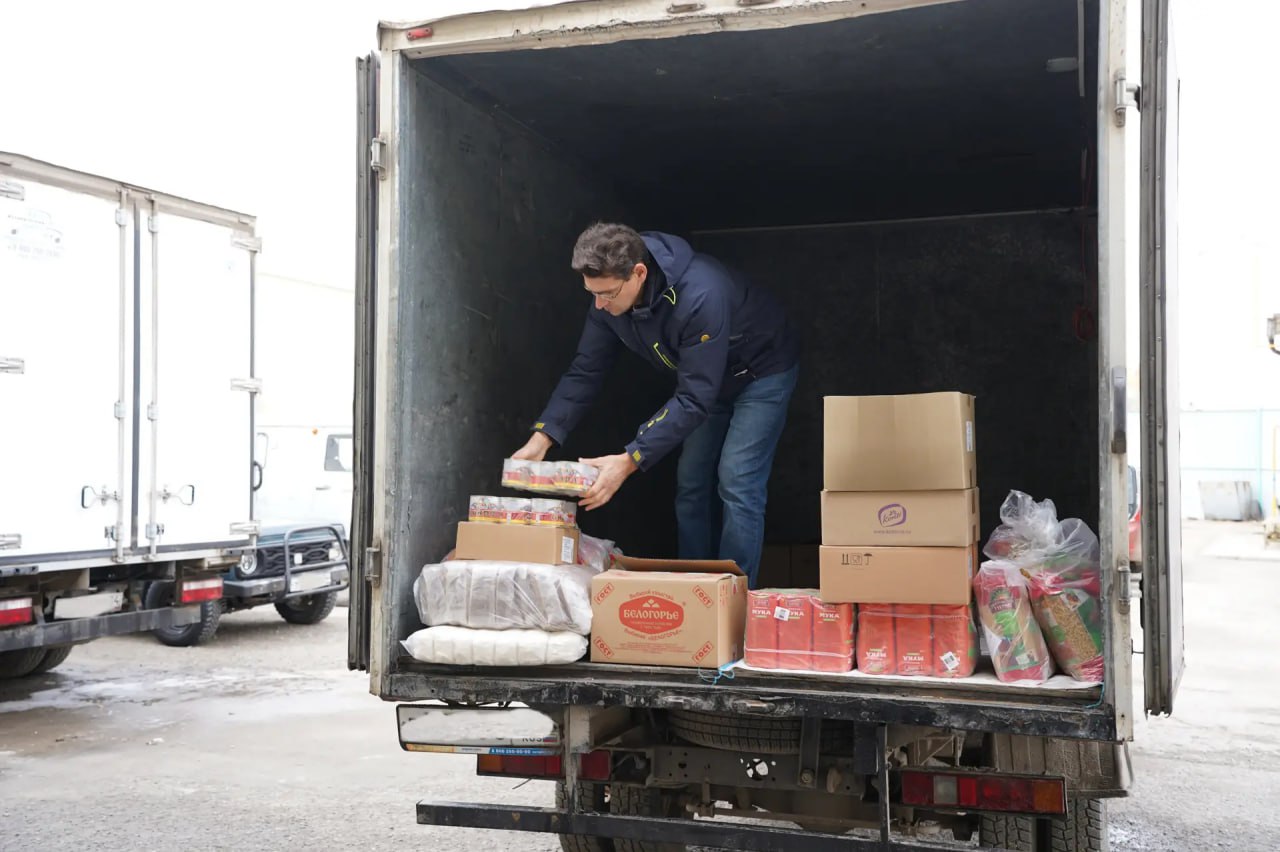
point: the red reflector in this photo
(520, 765)
(197, 591)
(419, 33)
(984, 792)
(595, 766)
(14, 611)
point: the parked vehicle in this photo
(939, 193)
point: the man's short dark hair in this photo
(608, 250)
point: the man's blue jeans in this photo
(722, 483)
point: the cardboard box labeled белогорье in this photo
(915, 442)
(517, 543)
(900, 518)
(903, 575)
(668, 612)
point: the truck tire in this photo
(53, 657)
(20, 663)
(593, 795)
(160, 595)
(1084, 830)
(1015, 833)
(311, 609)
(633, 800)
(758, 735)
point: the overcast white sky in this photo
(251, 105)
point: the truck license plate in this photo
(309, 581)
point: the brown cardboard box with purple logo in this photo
(900, 518)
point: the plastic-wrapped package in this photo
(516, 472)
(595, 553)
(504, 595)
(484, 509)
(762, 630)
(793, 629)
(561, 478)
(1017, 646)
(559, 513)
(465, 646)
(1060, 562)
(917, 640)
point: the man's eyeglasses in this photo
(606, 296)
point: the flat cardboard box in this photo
(517, 543)
(900, 518)
(917, 442)
(668, 612)
(903, 575)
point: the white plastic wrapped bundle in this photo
(505, 595)
(464, 646)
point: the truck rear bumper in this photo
(720, 834)
(77, 630)
(274, 587)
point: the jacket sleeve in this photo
(703, 355)
(581, 383)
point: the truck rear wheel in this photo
(160, 595)
(53, 657)
(20, 663)
(633, 800)
(311, 609)
(1083, 830)
(591, 796)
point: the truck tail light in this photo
(520, 765)
(984, 791)
(595, 766)
(199, 591)
(15, 611)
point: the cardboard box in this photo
(918, 442)
(667, 612)
(900, 518)
(904, 575)
(517, 543)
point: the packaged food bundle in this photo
(1017, 645)
(466, 646)
(762, 630)
(876, 648)
(917, 640)
(485, 509)
(575, 477)
(495, 595)
(559, 513)
(516, 473)
(518, 510)
(793, 629)
(596, 553)
(542, 476)
(1059, 561)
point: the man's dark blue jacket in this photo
(696, 319)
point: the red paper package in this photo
(794, 613)
(955, 641)
(913, 636)
(762, 630)
(876, 650)
(832, 637)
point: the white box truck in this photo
(940, 195)
(127, 388)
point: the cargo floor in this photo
(1060, 708)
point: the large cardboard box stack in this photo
(900, 522)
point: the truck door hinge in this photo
(1126, 95)
(378, 156)
(11, 189)
(10, 541)
(247, 385)
(246, 242)
(372, 564)
(112, 533)
(154, 531)
(252, 528)
(12, 365)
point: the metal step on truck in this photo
(128, 386)
(977, 195)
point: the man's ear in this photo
(640, 271)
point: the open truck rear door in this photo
(359, 611)
(1161, 492)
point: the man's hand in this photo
(614, 470)
(535, 449)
